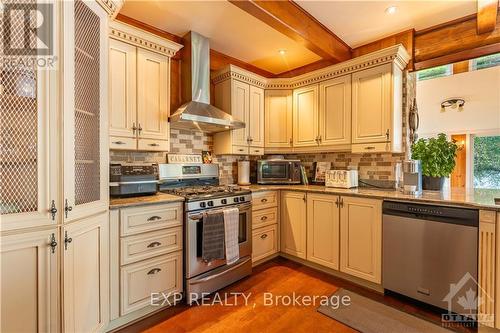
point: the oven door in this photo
(194, 229)
(273, 172)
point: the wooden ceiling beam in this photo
(291, 20)
(486, 15)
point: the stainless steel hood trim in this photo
(196, 113)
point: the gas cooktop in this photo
(193, 193)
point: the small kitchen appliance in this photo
(412, 177)
(127, 179)
(243, 172)
(341, 178)
(278, 171)
(199, 185)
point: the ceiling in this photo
(231, 31)
(240, 35)
(361, 22)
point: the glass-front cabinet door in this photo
(85, 105)
(28, 139)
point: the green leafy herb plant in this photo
(437, 155)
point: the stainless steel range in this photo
(199, 185)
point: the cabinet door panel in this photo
(264, 242)
(371, 104)
(278, 119)
(305, 116)
(85, 275)
(293, 223)
(335, 111)
(152, 84)
(85, 104)
(361, 238)
(323, 230)
(29, 283)
(122, 88)
(256, 117)
(240, 102)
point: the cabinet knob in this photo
(291, 141)
(387, 134)
(370, 148)
(154, 218)
(154, 271)
(263, 218)
(67, 208)
(264, 200)
(264, 236)
(153, 144)
(53, 210)
(67, 240)
(53, 243)
(134, 128)
(154, 244)
(118, 142)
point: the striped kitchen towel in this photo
(231, 226)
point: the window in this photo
(431, 73)
(491, 60)
(486, 163)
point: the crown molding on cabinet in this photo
(112, 7)
(396, 54)
(129, 34)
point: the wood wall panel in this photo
(456, 37)
(458, 176)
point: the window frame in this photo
(470, 153)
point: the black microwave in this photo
(278, 171)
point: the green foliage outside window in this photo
(434, 72)
(491, 60)
(487, 162)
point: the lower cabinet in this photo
(86, 274)
(30, 292)
(264, 242)
(265, 225)
(323, 222)
(293, 223)
(361, 238)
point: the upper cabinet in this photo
(278, 119)
(139, 75)
(305, 116)
(245, 102)
(377, 109)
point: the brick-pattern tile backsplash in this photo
(379, 167)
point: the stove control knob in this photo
(223, 201)
(242, 199)
(210, 203)
(236, 199)
(202, 204)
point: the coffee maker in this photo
(412, 177)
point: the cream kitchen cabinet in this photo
(377, 109)
(30, 282)
(278, 124)
(323, 228)
(138, 89)
(244, 102)
(361, 238)
(86, 274)
(305, 116)
(265, 225)
(293, 223)
(335, 112)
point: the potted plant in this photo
(438, 160)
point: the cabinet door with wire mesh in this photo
(85, 106)
(28, 164)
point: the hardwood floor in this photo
(279, 277)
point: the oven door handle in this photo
(242, 208)
(211, 277)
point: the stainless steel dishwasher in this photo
(426, 248)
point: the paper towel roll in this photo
(243, 172)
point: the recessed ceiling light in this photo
(282, 52)
(391, 10)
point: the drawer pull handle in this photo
(263, 200)
(154, 244)
(369, 147)
(154, 218)
(263, 218)
(153, 144)
(154, 271)
(264, 236)
(118, 142)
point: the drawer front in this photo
(267, 199)
(142, 219)
(256, 151)
(264, 242)
(122, 143)
(150, 244)
(487, 216)
(263, 217)
(240, 150)
(139, 280)
(153, 145)
(381, 147)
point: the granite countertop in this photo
(115, 203)
(475, 198)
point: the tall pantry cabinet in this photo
(54, 175)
